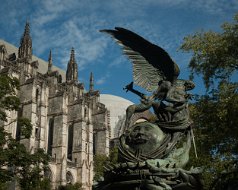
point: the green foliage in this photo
(113, 156)
(22, 166)
(8, 85)
(3, 186)
(215, 58)
(44, 184)
(217, 115)
(214, 54)
(8, 99)
(76, 186)
(25, 126)
(101, 160)
(26, 167)
(216, 131)
(227, 179)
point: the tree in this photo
(101, 160)
(8, 98)
(216, 130)
(29, 168)
(15, 161)
(76, 186)
(215, 58)
(215, 54)
(8, 101)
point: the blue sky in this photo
(60, 25)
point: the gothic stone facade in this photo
(70, 124)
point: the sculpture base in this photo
(140, 176)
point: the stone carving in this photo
(153, 153)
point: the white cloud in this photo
(44, 19)
(121, 60)
(55, 6)
(78, 32)
(103, 78)
(101, 81)
(215, 6)
(60, 24)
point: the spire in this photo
(72, 68)
(27, 29)
(91, 85)
(50, 62)
(72, 56)
(25, 49)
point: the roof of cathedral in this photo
(117, 107)
(43, 65)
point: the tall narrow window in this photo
(18, 129)
(37, 95)
(59, 79)
(94, 143)
(37, 101)
(50, 136)
(18, 132)
(37, 133)
(70, 141)
(85, 112)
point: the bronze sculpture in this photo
(153, 153)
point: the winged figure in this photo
(153, 70)
(151, 63)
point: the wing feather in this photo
(151, 63)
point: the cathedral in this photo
(69, 123)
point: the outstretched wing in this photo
(151, 63)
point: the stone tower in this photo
(72, 68)
(50, 62)
(91, 83)
(25, 49)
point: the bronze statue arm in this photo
(130, 88)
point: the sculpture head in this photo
(144, 137)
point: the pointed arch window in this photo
(69, 178)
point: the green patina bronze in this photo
(141, 141)
(153, 153)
